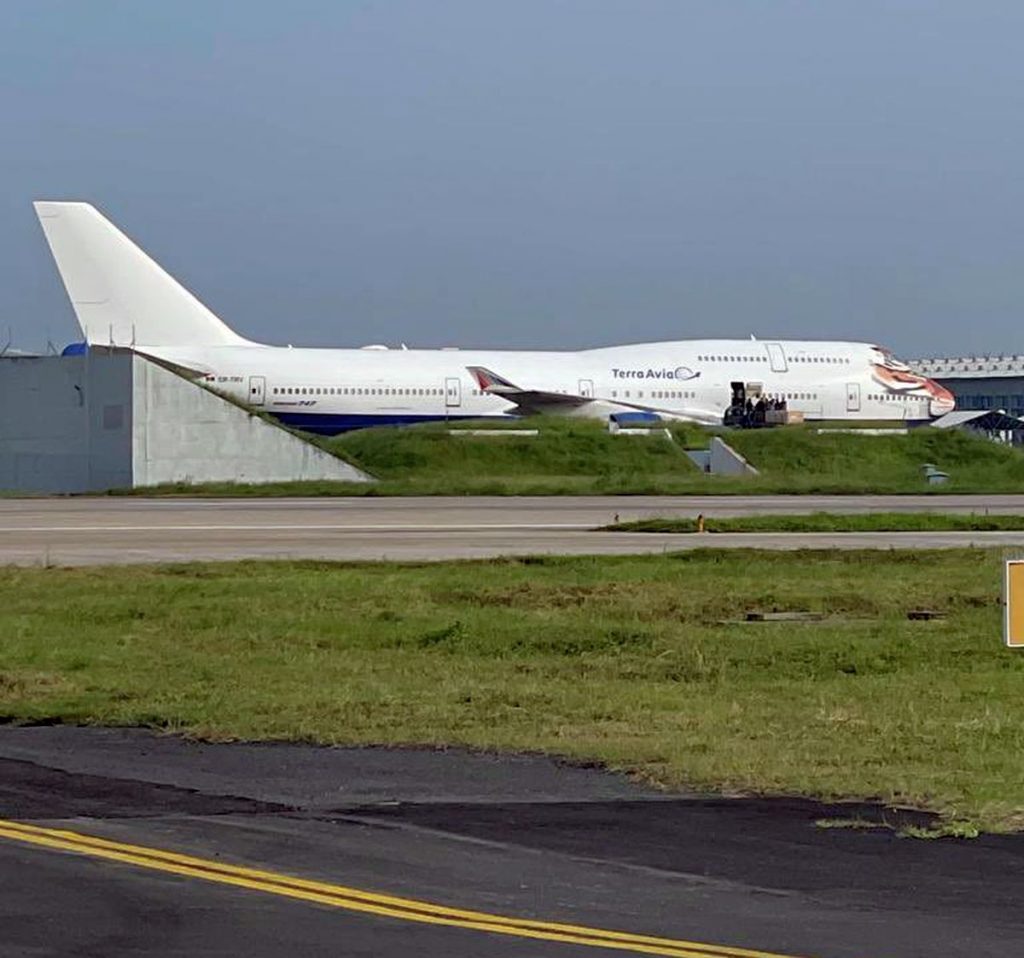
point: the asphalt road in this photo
(525, 839)
(95, 531)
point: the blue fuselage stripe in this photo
(328, 424)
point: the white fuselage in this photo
(332, 390)
(123, 299)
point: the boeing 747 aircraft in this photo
(124, 300)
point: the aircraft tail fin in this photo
(121, 297)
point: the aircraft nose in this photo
(942, 401)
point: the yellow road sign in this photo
(1013, 629)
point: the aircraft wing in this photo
(537, 400)
(529, 400)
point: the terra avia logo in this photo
(680, 373)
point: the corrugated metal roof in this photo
(969, 367)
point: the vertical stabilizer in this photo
(121, 297)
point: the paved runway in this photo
(119, 841)
(112, 530)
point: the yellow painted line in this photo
(360, 900)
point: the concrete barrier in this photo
(723, 460)
(116, 420)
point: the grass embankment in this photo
(638, 662)
(573, 456)
(797, 459)
(567, 457)
(832, 522)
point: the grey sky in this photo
(552, 173)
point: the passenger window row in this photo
(655, 394)
(354, 391)
(834, 360)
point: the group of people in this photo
(748, 411)
(763, 404)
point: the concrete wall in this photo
(65, 425)
(726, 461)
(101, 421)
(184, 433)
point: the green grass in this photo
(578, 456)
(797, 459)
(833, 522)
(637, 662)
(568, 456)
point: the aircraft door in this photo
(853, 397)
(776, 356)
(257, 390)
(587, 388)
(452, 392)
